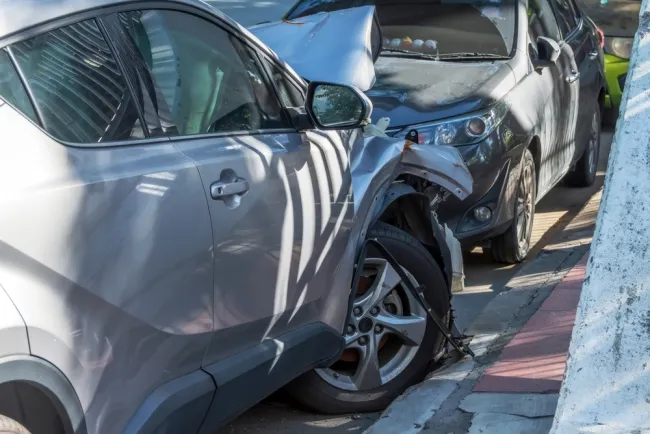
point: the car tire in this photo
(513, 246)
(10, 426)
(584, 173)
(314, 392)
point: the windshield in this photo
(433, 27)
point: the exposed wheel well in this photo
(407, 213)
(32, 407)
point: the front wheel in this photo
(10, 426)
(512, 246)
(390, 339)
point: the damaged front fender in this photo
(378, 161)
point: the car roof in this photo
(19, 15)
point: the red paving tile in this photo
(535, 359)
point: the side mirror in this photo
(548, 52)
(337, 106)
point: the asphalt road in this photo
(484, 280)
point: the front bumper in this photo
(494, 167)
(457, 267)
(615, 75)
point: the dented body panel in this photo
(378, 161)
(352, 63)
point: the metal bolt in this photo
(378, 328)
(363, 340)
(336, 375)
(357, 311)
(350, 329)
(374, 311)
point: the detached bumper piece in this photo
(458, 341)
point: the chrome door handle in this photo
(221, 190)
(593, 54)
(573, 76)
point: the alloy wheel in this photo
(593, 144)
(524, 209)
(384, 332)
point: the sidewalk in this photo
(521, 340)
(519, 393)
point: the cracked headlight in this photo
(619, 47)
(465, 130)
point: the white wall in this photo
(607, 384)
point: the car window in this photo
(290, 94)
(200, 78)
(541, 21)
(12, 90)
(434, 27)
(565, 15)
(77, 85)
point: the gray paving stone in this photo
(519, 404)
(498, 423)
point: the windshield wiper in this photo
(472, 56)
(407, 53)
(445, 56)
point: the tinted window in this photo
(434, 27)
(11, 88)
(565, 16)
(77, 85)
(202, 79)
(541, 21)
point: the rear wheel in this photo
(584, 174)
(10, 426)
(513, 246)
(390, 340)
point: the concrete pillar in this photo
(607, 383)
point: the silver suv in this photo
(180, 219)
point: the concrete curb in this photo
(433, 405)
(413, 412)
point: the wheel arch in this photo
(409, 210)
(35, 393)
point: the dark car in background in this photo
(518, 88)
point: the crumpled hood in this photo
(334, 47)
(616, 18)
(412, 91)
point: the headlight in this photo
(619, 47)
(460, 131)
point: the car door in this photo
(279, 200)
(105, 235)
(556, 93)
(582, 74)
(585, 53)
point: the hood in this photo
(337, 47)
(616, 18)
(413, 91)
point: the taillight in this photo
(601, 37)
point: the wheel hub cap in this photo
(383, 335)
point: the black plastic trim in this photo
(398, 191)
(175, 407)
(48, 379)
(248, 377)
